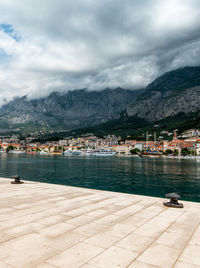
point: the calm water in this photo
(145, 176)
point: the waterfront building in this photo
(197, 148)
(139, 145)
(123, 149)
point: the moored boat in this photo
(43, 152)
(17, 152)
(72, 153)
(103, 152)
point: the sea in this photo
(134, 175)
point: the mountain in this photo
(172, 93)
(177, 80)
(74, 109)
(135, 127)
(171, 101)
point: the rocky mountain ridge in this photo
(78, 108)
(173, 93)
(162, 105)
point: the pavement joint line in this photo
(181, 252)
(120, 240)
(52, 191)
(104, 249)
(150, 245)
(153, 240)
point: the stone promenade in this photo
(48, 226)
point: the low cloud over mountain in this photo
(50, 45)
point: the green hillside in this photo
(136, 127)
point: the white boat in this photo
(88, 152)
(103, 152)
(17, 152)
(43, 152)
(72, 153)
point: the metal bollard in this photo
(16, 180)
(173, 203)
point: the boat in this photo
(103, 152)
(152, 153)
(88, 152)
(43, 152)
(17, 152)
(72, 153)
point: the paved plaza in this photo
(48, 226)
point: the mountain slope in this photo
(136, 128)
(176, 80)
(78, 108)
(172, 93)
(171, 101)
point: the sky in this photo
(61, 45)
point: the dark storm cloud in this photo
(94, 44)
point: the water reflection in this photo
(148, 176)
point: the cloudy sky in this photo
(48, 45)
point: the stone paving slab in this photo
(54, 226)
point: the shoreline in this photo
(162, 156)
(102, 157)
(98, 190)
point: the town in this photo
(185, 145)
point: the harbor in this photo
(134, 175)
(185, 146)
(47, 225)
(99, 134)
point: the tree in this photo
(176, 152)
(24, 147)
(135, 151)
(59, 148)
(168, 151)
(185, 151)
(10, 148)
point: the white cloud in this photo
(93, 44)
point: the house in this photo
(122, 149)
(139, 145)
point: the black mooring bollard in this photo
(16, 180)
(173, 203)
